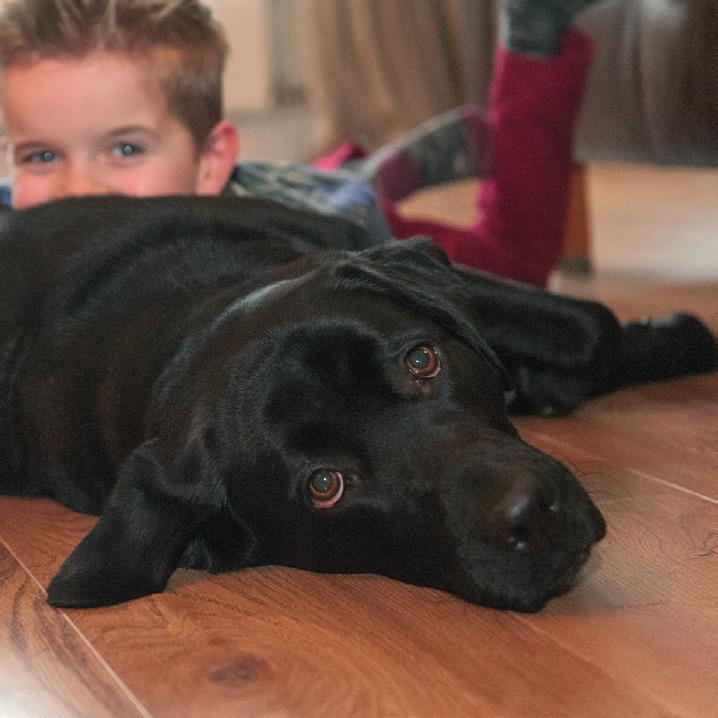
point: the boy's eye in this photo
(40, 157)
(126, 149)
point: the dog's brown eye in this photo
(326, 488)
(423, 362)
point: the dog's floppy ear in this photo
(137, 543)
(416, 273)
(555, 349)
(520, 322)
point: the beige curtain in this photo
(386, 65)
(653, 88)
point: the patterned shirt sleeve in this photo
(336, 192)
(5, 193)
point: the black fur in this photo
(184, 366)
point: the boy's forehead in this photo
(99, 88)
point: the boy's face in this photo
(98, 125)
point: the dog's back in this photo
(229, 388)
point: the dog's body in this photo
(232, 383)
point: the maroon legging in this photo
(533, 106)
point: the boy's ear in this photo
(217, 158)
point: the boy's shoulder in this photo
(334, 192)
(5, 193)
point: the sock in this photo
(535, 27)
(448, 147)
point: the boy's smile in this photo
(100, 125)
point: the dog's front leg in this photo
(137, 543)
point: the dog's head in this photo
(346, 417)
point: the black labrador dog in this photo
(231, 383)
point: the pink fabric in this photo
(533, 108)
(346, 151)
(399, 176)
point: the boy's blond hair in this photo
(178, 40)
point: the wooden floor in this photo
(638, 637)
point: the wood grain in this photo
(647, 610)
(637, 637)
(46, 667)
(650, 429)
(276, 641)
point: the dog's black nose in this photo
(525, 517)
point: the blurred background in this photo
(306, 74)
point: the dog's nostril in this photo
(518, 543)
(526, 516)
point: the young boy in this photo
(113, 97)
(124, 97)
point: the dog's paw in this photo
(665, 348)
(699, 347)
(546, 393)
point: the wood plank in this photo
(658, 220)
(46, 667)
(669, 430)
(647, 609)
(276, 641)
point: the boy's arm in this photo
(335, 193)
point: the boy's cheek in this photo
(149, 179)
(157, 179)
(27, 191)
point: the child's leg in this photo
(456, 144)
(534, 102)
(533, 107)
(451, 146)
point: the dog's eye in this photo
(326, 488)
(423, 362)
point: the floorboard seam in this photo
(638, 472)
(657, 701)
(76, 629)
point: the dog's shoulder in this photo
(116, 249)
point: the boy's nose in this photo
(78, 181)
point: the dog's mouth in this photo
(566, 579)
(571, 575)
(522, 582)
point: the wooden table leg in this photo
(577, 236)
